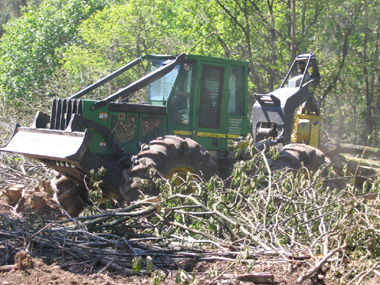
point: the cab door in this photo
(210, 128)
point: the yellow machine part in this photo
(308, 129)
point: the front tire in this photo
(169, 155)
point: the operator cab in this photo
(302, 71)
(206, 99)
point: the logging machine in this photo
(195, 104)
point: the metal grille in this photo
(124, 128)
(212, 82)
(62, 111)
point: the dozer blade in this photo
(66, 152)
(45, 144)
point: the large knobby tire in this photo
(294, 156)
(71, 196)
(168, 156)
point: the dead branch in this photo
(319, 264)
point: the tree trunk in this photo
(368, 94)
(293, 31)
(378, 73)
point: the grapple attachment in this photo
(273, 113)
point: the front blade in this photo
(48, 144)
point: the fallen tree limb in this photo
(358, 150)
(362, 161)
(257, 278)
(6, 268)
(319, 264)
(354, 149)
(364, 274)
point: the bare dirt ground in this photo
(37, 272)
(40, 273)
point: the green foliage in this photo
(137, 264)
(9, 9)
(96, 195)
(33, 45)
(149, 264)
(112, 38)
(183, 277)
(158, 277)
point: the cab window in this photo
(236, 91)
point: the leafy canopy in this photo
(33, 45)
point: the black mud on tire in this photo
(168, 155)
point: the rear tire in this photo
(297, 155)
(169, 155)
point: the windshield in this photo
(160, 89)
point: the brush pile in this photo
(305, 223)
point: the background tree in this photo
(10, 9)
(34, 44)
